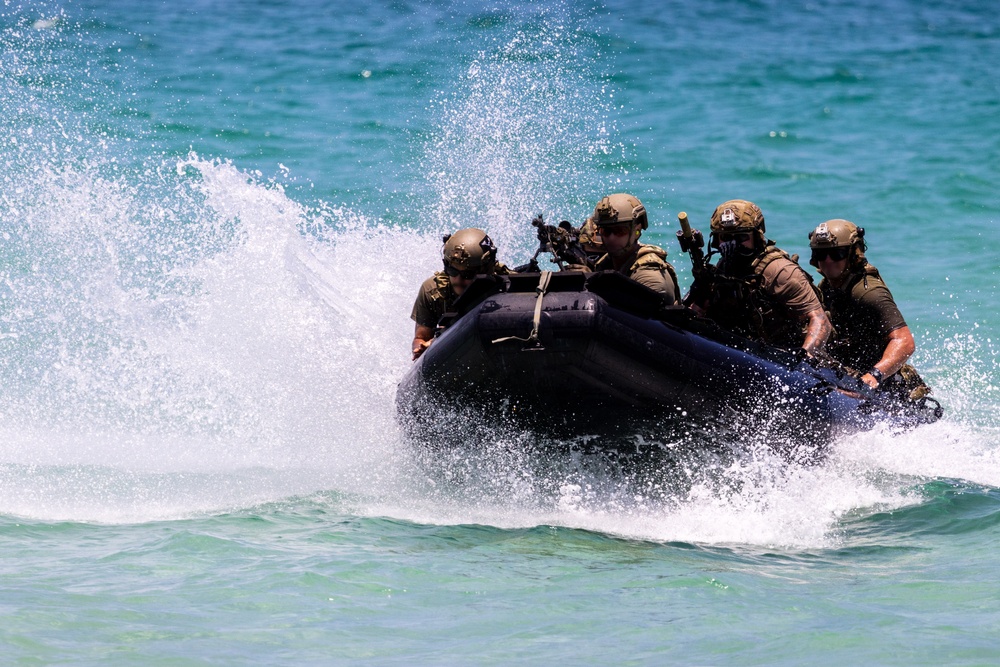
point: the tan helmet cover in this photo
(736, 216)
(835, 233)
(589, 238)
(619, 207)
(469, 249)
(838, 233)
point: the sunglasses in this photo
(621, 229)
(739, 238)
(456, 273)
(836, 254)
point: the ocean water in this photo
(214, 219)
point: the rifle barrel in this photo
(682, 218)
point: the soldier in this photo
(466, 254)
(872, 338)
(619, 220)
(756, 289)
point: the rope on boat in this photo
(543, 287)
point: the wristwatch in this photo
(877, 374)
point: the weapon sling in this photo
(543, 286)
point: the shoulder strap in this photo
(650, 255)
(656, 257)
(771, 253)
(866, 272)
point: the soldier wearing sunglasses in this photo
(618, 221)
(466, 254)
(872, 338)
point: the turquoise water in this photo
(214, 218)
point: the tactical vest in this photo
(648, 256)
(846, 345)
(655, 257)
(443, 297)
(740, 304)
(856, 352)
(859, 274)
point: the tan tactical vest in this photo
(443, 297)
(741, 305)
(648, 256)
(651, 256)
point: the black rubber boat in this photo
(595, 353)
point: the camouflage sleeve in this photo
(790, 286)
(429, 305)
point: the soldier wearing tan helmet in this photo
(466, 254)
(872, 336)
(756, 289)
(618, 221)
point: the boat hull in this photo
(607, 355)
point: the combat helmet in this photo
(838, 233)
(590, 240)
(738, 216)
(469, 250)
(619, 207)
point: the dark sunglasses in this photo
(836, 254)
(621, 229)
(739, 238)
(455, 273)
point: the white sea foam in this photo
(521, 134)
(201, 321)
(183, 336)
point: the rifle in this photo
(693, 243)
(562, 242)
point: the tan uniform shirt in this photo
(789, 286)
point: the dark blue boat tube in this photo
(598, 363)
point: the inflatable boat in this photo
(597, 353)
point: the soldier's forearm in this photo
(818, 331)
(897, 351)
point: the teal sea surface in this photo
(214, 217)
